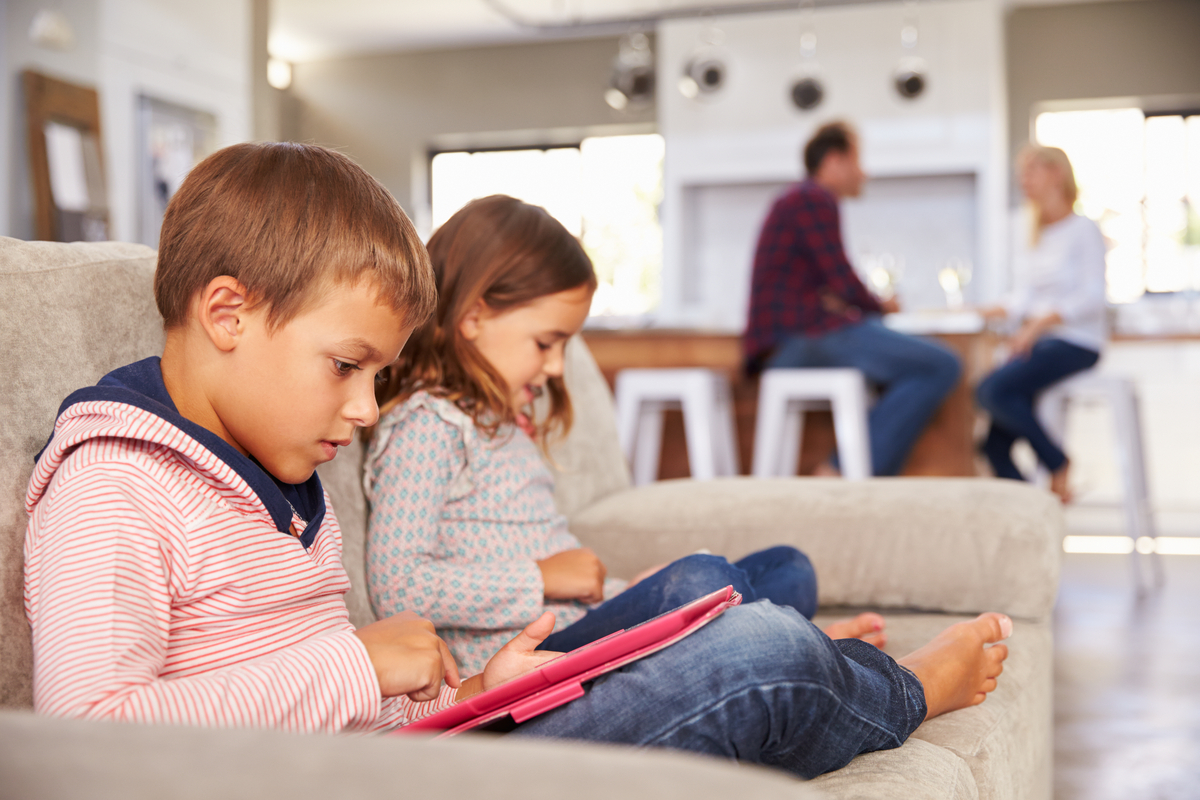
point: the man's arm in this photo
(821, 228)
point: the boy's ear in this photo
(221, 309)
(472, 323)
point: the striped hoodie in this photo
(163, 584)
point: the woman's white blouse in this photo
(1063, 272)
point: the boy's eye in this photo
(344, 367)
(381, 378)
(543, 346)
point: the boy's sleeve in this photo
(412, 565)
(102, 569)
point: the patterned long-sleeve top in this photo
(457, 524)
(800, 264)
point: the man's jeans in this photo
(1009, 394)
(914, 375)
(781, 574)
(759, 684)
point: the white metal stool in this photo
(1121, 396)
(783, 397)
(706, 401)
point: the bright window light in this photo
(1139, 178)
(1177, 545)
(1097, 544)
(605, 191)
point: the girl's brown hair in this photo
(507, 253)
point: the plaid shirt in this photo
(802, 282)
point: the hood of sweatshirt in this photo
(132, 403)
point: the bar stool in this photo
(783, 397)
(643, 395)
(1121, 396)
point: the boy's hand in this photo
(573, 575)
(408, 657)
(514, 659)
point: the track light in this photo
(632, 81)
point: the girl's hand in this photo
(514, 659)
(408, 657)
(573, 575)
(520, 655)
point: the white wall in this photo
(193, 54)
(750, 136)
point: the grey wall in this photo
(79, 65)
(385, 110)
(1096, 50)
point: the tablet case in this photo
(561, 680)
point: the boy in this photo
(182, 565)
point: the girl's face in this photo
(525, 344)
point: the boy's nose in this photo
(362, 409)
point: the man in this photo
(809, 309)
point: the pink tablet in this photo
(561, 680)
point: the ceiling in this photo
(310, 30)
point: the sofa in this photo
(926, 552)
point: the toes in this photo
(994, 627)
(996, 654)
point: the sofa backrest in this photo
(69, 313)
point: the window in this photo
(605, 190)
(1139, 178)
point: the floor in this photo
(1127, 681)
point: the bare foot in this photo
(826, 470)
(868, 627)
(957, 668)
(1060, 485)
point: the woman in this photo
(1058, 303)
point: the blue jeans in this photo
(914, 375)
(759, 684)
(1009, 395)
(781, 574)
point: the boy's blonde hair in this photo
(507, 253)
(288, 221)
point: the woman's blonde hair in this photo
(1056, 159)
(506, 253)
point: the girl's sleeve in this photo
(103, 564)
(1087, 297)
(411, 565)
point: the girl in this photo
(463, 529)
(1058, 299)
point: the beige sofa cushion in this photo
(942, 544)
(69, 313)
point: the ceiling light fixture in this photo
(705, 71)
(632, 83)
(910, 76)
(51, 29)
(808, 87)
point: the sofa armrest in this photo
(960, 545)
